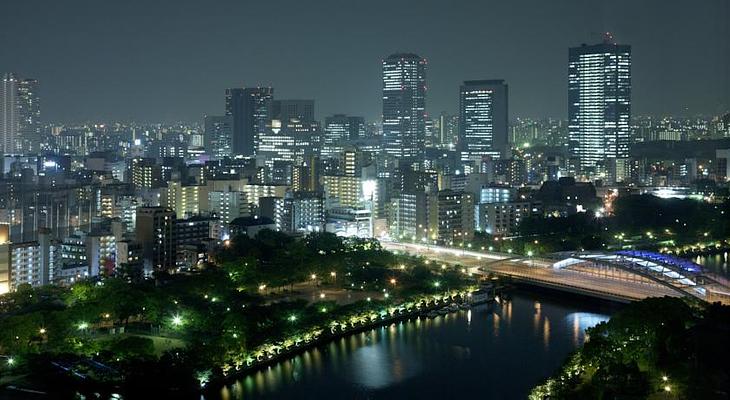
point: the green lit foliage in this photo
(651, 348)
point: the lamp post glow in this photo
(177, 320)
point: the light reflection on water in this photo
(506, 348)
(717, 263)
(581, 321)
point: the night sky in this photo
(168, 60)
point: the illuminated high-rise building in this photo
(599, 108)
(338, 129)
(218, 136)
(19, 115)
(292, 135)
(404, 106)
(250, 109)
(483, 119)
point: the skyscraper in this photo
(218, 135)
(404, 106)
(338, 129)
(448, 130)
(19, 115)
(599, 108)
(250, 109)
(293, 134)
(483, 119)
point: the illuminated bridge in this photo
(620, 276)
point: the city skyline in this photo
(381, 199)
(149, 77)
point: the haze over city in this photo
(229, 200)
(167, 61)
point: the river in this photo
(717, 263)
(495, 351)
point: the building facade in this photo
(483, 120)
(250, 111)
(404, 106)
(218, 136)
(599, 108)
(20, 130)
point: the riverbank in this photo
(479, 352)
(637, 354)
(344, 326)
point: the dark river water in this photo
(495, 351)
(717, 263)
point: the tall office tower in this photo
(19, 115)
(250, 109)
(218, 135)
(448, 130)
(293, 134)
(483, 120)
(599, 108)
(155, 232)
(404, 106)
(338, 129)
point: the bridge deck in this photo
(539, 272)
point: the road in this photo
(537, 271)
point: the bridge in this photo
(622, 276)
